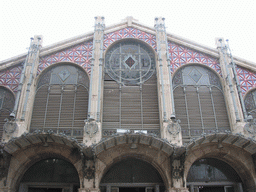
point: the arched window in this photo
(130, 90)
(199, 102)
(6, 106)
(61, 101)
(250, 103)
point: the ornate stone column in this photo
(170, 128)
(94, 121)
(21, 116)
(233, 104)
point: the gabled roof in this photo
(128, 22)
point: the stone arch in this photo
(242, 163)
(40, 148)
(147, 159)
(156, 155)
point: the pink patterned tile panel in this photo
(129, 32)
(247, 79)
(10, 77)
(79, 54)
(180, 55)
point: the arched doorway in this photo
(132, 175)
(213, 175)
(50, 175)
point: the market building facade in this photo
(127, 108)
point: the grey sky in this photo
(197, 20)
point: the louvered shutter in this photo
(130, 98)
(220, 109)
(193, 111)
(199, 104)
(40, 108)
(180, 110)
(61, 108)
(53, 108)
(150, 104)
(80, 111)
(130, 108)
(111, 105)
(207, 109)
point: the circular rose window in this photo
(130, 63)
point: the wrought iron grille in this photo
(199, 102)
(61, 101)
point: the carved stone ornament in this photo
(177, 172)
(173, 127)
(10, 126)
(91, 127)
(250, 127)
(89, 170)
(88, 167)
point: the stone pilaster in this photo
(229, 88)
(21, 115)
(94, 120)
(170, 128)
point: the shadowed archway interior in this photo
(132, 174)
(51, 175)
(213, 175)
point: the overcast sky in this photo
(197, 20)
